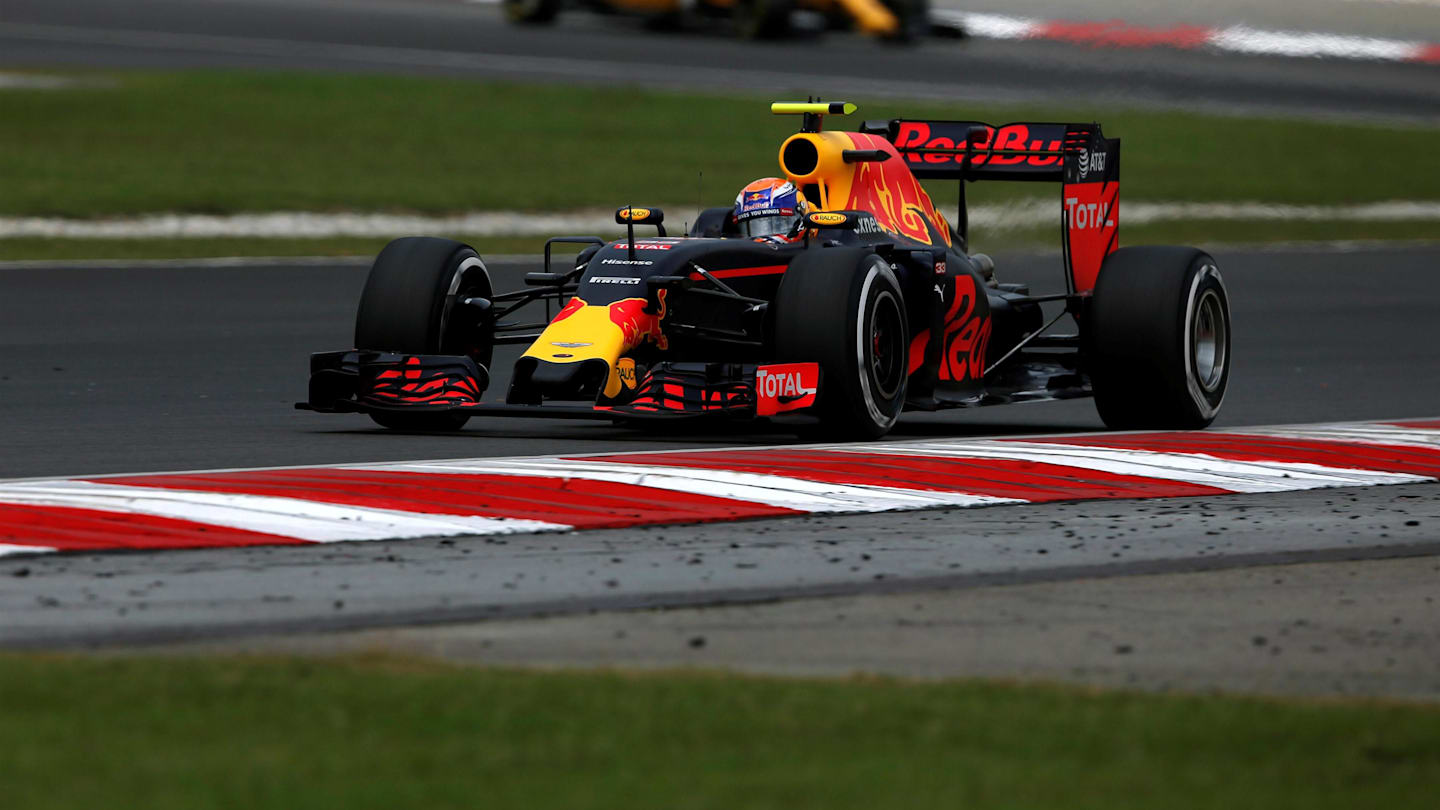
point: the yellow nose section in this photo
(583, 332)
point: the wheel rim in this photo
(885, 358)
(1209, 341)
(459, 335)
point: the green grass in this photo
(225, 142)
(219, 142)
(258, 733)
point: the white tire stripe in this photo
(287, 517)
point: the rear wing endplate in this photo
(1078, 156)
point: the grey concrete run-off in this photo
(1356, 627)
(107, 599)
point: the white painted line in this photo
(775, 490)
(1243, 39)
(1363, 433)
(35, 81)
(306, 225)
(7, 549)
(210, 263)
(986, 26)
(1233, 39)
(1236, 476)
(246, 262)
(287, 517)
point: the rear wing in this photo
(1078, 156)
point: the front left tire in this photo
(410, 305)
(843, 308)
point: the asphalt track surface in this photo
(441, 37)
(127, 370)
(114, 369)
(117, 370)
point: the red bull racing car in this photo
(863, 303)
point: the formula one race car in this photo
(896, 20)
(869, 305)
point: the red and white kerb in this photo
(486, 496)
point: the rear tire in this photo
(763, 19)
(532, 12)
(409, 306)
(1158, 339)
(843, 308)
(913, 17)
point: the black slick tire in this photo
(913, 17)
(1157, 338)
(843, 308)
(409, 306)
(531, 12)
(763, 19)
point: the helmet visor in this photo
(766, 226)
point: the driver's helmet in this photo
(769, 206)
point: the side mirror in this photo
(631, 216)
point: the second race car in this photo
(894, 20)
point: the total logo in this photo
(652, 246)
(1084, 216)
(786, 387)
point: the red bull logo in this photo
(918, 135)
(574, 306)
(887, 189)
(636, 324)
